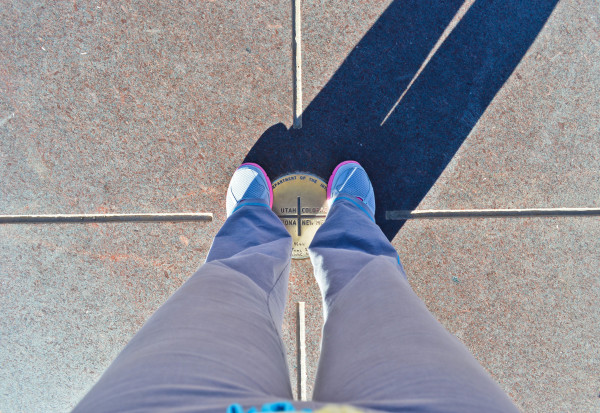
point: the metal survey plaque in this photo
(300, 201)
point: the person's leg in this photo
(216, 341)
(381, 348)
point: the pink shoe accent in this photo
(266, 177)
(333, 174)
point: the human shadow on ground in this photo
(406, 154)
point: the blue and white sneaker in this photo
(350, 178)
(249, 181)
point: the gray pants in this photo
(217, 340)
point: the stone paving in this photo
(150, 107)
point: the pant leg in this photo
(381, 348)
(216, 341)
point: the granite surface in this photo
(135, 106)
(536, 145)
(73, 295)
(150, 107)
(523, 295)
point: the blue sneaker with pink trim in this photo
(249, 182)
(350, 178)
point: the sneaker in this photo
(249, 181)
(350, 178)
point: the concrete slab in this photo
(523, 295)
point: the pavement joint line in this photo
(301, 340)
(490, 213)
(96, 218)
(297, 46)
